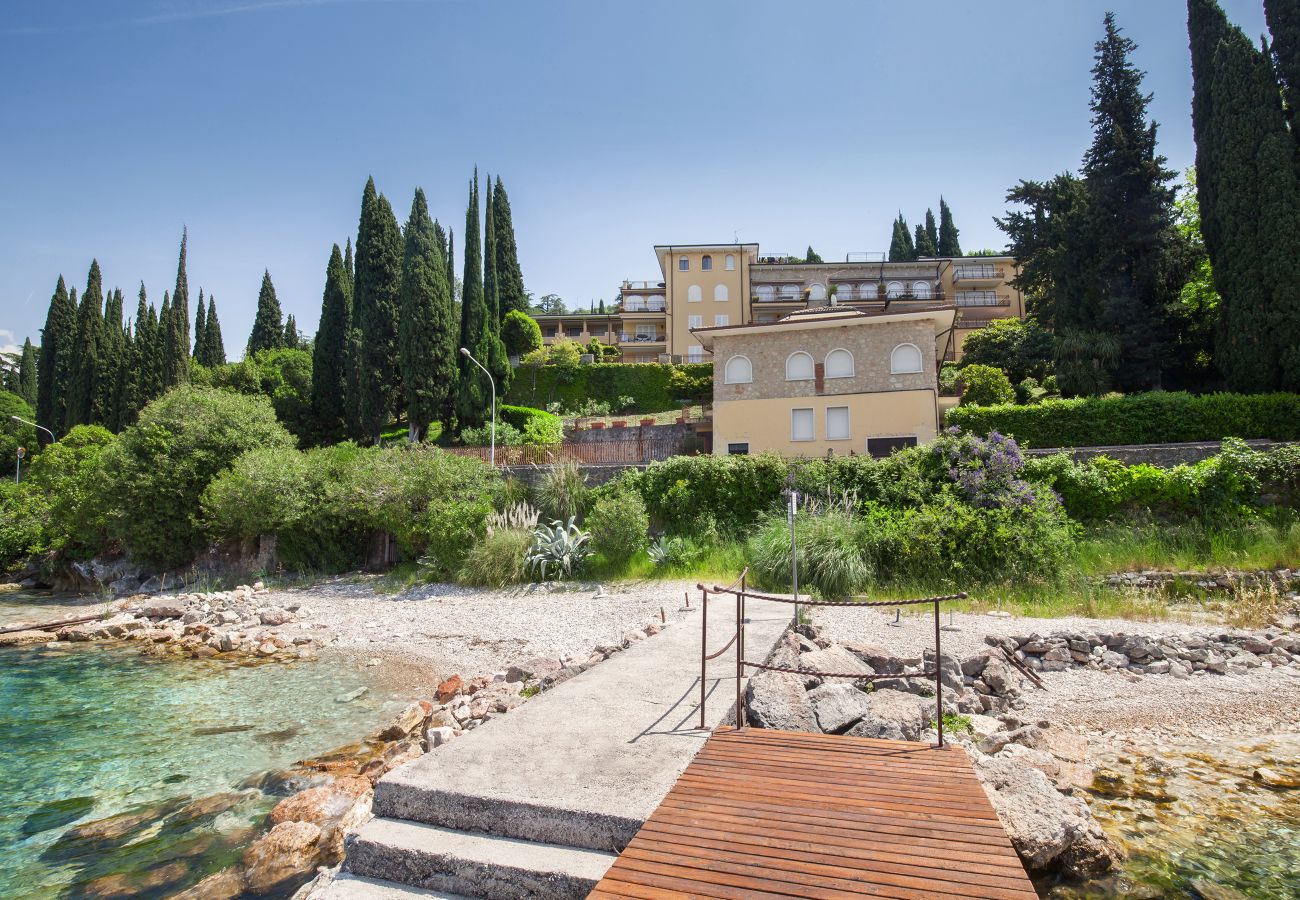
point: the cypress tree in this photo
(291, 336)
(1249, 200)
(66, 366)
(901, 248)
(375, 307)
(490, 297)
(330, 351)
(113, 361)
(510, 278)
(812, 256)
(146, 327)
(152, 353)
(175, 356)
(181, 300)
(924, 246)
(200, 330)
(426, 340)
(124, 390)
(27, 374)
(84, 391)
(948, 244)
(932, 231)
(268, 324)
(474, 396)
(1283, 17)
(56, 342)
(215, 346)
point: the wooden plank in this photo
(766, 814)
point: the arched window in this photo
(799, 367)
(894, 289)
(738, 371)
(867, 291)
(817, 291)
(766, 293)
(720, 292)
(694, 293)
(729, 262)
(706, 263)
(905, 359)
(839, 364)
(921, 290)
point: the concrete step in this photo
(472, 864)
(347, 886)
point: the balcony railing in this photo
(981, 298)
(642, 285)
(630, 305)
(641, 338)
(977, 273)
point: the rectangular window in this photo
(801, 425)
(729, 262)
(574, 332)
(837, 423)
(683, 264)
(695, 321)
(645, 332)
(738, 449)
(695, 354)
(722, 320)
(886, 445)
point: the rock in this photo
(1037, 759)
(1027, 735)
(974, 665)
(881, 659)
(1048, 829)
(777, 700)
(162, 608)
(274, 616)
(1065, 745)
(224, 885)
(983, 726)
(837, 706)
(350, 695)
(449, 689)
(538, 667)
(834, 659)
(949, 669)
(1001, 678)
(320, 804)
(209, 807)
(410, 719)
(439, 735)
(894, 716)
(289, 850)
(1273, 778)
(18, 638)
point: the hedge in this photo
(653, 387)
(537, 425)
(1152, 418)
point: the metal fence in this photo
(626, 452)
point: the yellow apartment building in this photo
(723, 285)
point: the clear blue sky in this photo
(616, 125)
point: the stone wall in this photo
(1164, 455)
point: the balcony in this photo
(650, 305)
(978, 273)
(642, 285)
(641, 338)
(981, 298)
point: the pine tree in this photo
(291, 336)
(1283, 17)
(510, 278)
(268, 324)
(1249, 201)
(27, 373)
(924, 246)
(200, 330)
(84, 391)
(330, 351)
(901, 248)
(215, 353)
(375, 306)
(948, 245)
(56, 344)
(474, 397)
(426, 341)
(181, 300)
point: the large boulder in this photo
(880, 659)
(288, 851)
(837, 706)
(835, 660)
(1050, 831)
(894, 716)
(949, 669)
(778, 700)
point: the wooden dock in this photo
(765, 814)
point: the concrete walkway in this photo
(539, 802)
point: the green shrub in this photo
(283, 376)
(562, 491)
(505, 435)
(950, 379)
(537, 426)
(264, 492)
(70, 475)
(15, 434)
(1154, 417)
(618, 525)
(696, 494)
(23, 513)
(985, 386)
(498, 560)
(159, 467)
(1278, 471)
(653, 387)
(830, 561)
(520, 333)
(1020, 347)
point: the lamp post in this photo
(34, 425)
(464, 351)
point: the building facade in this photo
(723, 285)
(828, 379)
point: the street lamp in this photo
(464, 351)
(34, 425)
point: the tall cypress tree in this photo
(27, 373)
(200, 329)
(215, 352)
(812, 256)
(124, 390)
(330, 351)
(510, 278)
(291, 336)
(931, 231)
(924, 246)
(1283, 17)
(948, 244)
(181, 299)
(474, 396)
(84, 390)
(67, 364)
(376, 304)
(498, 361)
(113, 361)
(427, 343)
(268, 324)
(901, 248)
(146, 351)
(174, 358)
(1250, 202)
(56, 343)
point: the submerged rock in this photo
(56, 814)
(289, 850)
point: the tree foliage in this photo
(376, 302)
(427, 344)
(330, 350)
(268, 323)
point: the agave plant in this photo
(665, 550)
(559, 549)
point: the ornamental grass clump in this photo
(499, 559)
(562, 491)
(830, 561)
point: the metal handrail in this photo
(705, 655)
(737, 589)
